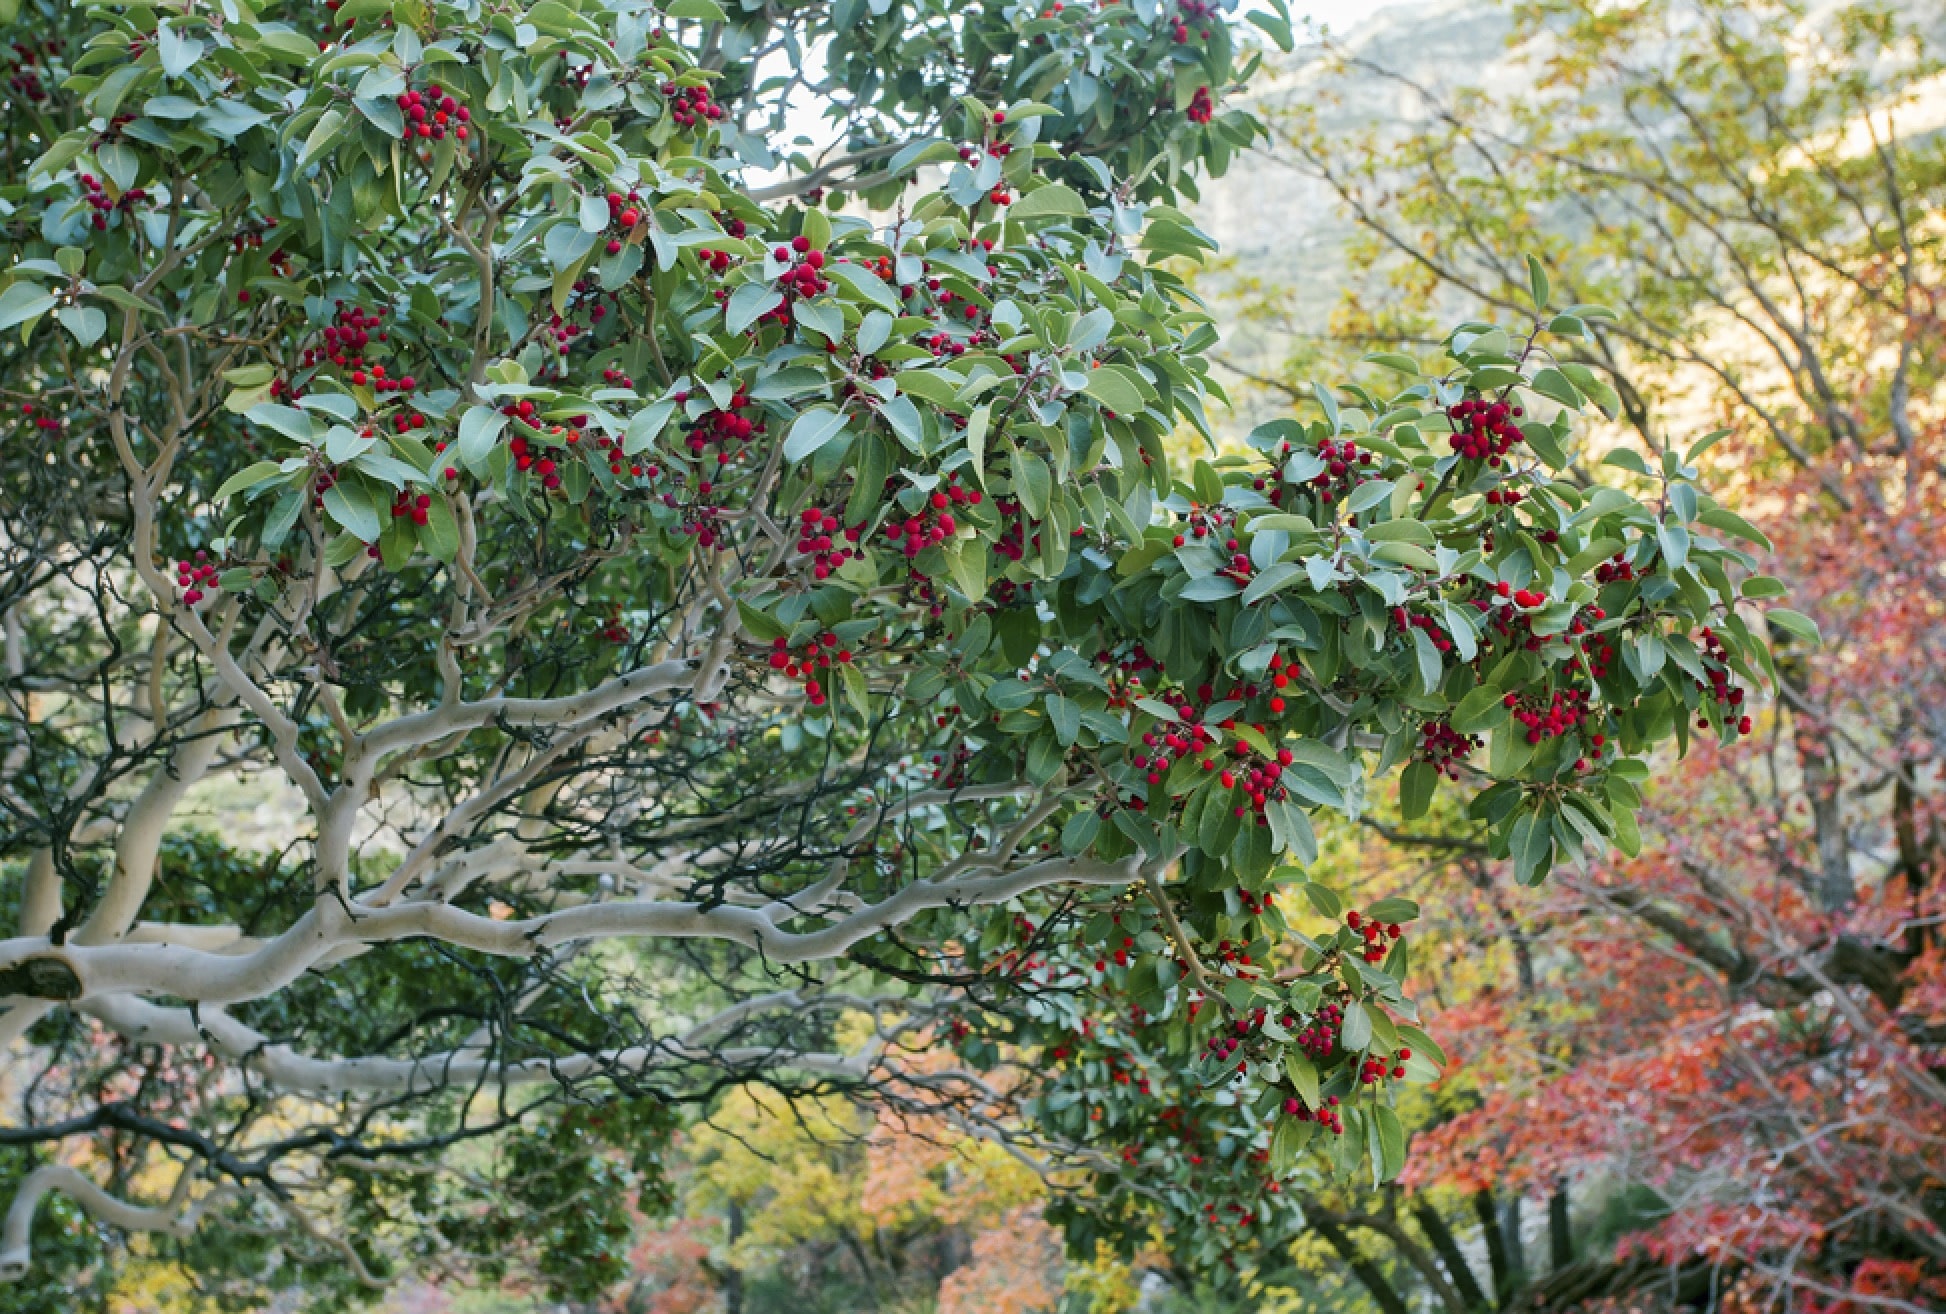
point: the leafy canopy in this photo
(610, 551)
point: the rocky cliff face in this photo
(1280, 226)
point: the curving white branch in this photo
(216, 978)
(294, 1072)
(177, 1216)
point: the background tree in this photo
(660, 627)
(1708, 1077)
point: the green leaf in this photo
(1053, 201)
(1033, 484)
(1537, 285)
(23, 301)
(1356, 1034)
(261, 472)
(967, 560)
(1704, 443)
(440, 533)
(1417, 784)
(1394, 909)
(288, 420)
(1274, 26)
(1064, 714)
(85, 323)
(1431, 667)
(1117, 388)
(1326, 900)
(351, 507)
(120, 163)
(748, 304)
(1623, 458)
(864, 282)
(1303, 1074)
(323, 133)
(1531, 845)
(1480, 710)
(178, 52)
(760, 625)
(1420, 1043)
(821, 317)
(704, 11)
(1795, 622)
(1732, 523)
(1406, 554)
(1291, 1134)
(811, 431)
(1396, 362)
(479, 430)
(1391, 1140)
(1553, 385)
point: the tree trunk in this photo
(1366, 1271)
(1516, 1248)
(1503, 1275)
(1448, 1249)
(1560, 1238)
(732, 1275)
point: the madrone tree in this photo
(689, 632)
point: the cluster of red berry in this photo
(23, 79)
(192, 577)
(1375, 1069)
(353, 330)
(624, 213)
(691, 106)
(724, 429)
(619, 463)
(612, 629)
(1727, 696)
(1224, 1045)
(518, 446)
(1445, 748)
(815, 539)
(802, 278)
(1318, 1037)
(1201, 107)
(1255, 905)
(935, 522)
(1484, 430)
(98, 201)
(1202, 521)
(1564, 711)
(432, 113)
(1124, 675)
(45, 423)
(1327, 1117)
(1408, 620)
(804, 664)
(564, 329)
(252, 239)
(416, 508)
(1169, 745)
(1613, 569)
(1345, 467)
(1120, 955)
(949, 771)
(1260, 779)
(1187, 12)
(1375, 935)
